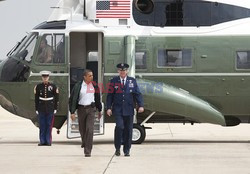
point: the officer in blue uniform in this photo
(123, 92)
(46, 102)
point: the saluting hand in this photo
(109, 112)
(140, 110)
(73, 117)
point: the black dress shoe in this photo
(48, 144)
(40, 144)
(127, 154)
(117, 153)
(87, 155)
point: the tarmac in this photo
(168, 149)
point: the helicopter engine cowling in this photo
(160, 97)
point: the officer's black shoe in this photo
(127, 154)
(87, 155)
(48, 144)
(117, 153)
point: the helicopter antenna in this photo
(65, 8)
(84, 10)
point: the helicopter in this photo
(191, 59)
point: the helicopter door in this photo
(85, 53)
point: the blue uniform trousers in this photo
(46, 121)
(123, 132)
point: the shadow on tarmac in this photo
(147, 142)
(194, 141)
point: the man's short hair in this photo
(86, 71)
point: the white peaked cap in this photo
(45, 73)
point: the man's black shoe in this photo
(117, 153)
(127, 154)
(48, 144)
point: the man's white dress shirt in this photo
(87, 94)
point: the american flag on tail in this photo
(113, 9)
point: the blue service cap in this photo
(122, 66)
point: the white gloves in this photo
(55, 111)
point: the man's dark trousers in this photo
(86, 116)
(123, 132)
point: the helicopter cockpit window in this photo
(45, 51)
(26, 48)
(16, 67)
(175, 58)
(51, 49)
(140, 60)
(59, 49)
(243, 59)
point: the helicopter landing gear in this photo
(139, 133)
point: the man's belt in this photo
(92, 105)
(46, 99)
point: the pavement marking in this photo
(108, 164)
(170, 130)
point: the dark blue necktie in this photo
(123, 84)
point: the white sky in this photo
(18, 17)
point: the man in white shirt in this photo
(85, 98)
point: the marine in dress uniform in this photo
(46, 103)
(123, 91)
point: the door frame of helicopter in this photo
(87, 44)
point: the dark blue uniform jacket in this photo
(121, 99)
(46, 91)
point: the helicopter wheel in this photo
(139, 134)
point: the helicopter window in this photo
(93, 56)
(140, 60)
(92, 63)
(25, 52)
(243, 59)
(45, 51)
(51, 49)
(59, 48)
(174, 58)
(14, 70)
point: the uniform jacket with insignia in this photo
(121, 99)
(46, 97)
